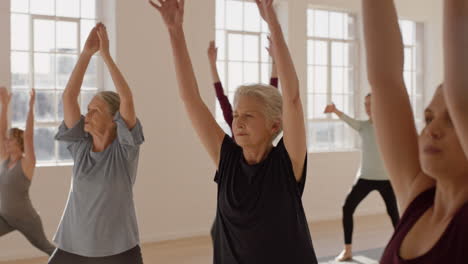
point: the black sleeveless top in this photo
(260, 217)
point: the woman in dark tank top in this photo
(429, 172)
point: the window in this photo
(241, 37)
(46, 39)
(412, 34)
(332, 67)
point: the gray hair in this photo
(271, 98)
(112, 100)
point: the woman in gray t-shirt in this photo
(17, 164)
(99, 223)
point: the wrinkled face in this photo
(440, 151)
(367, 105)
(12, 145)
(250, 125)
(98, 119)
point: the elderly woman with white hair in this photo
(260, 217)
(99, 224)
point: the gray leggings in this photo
(31, 228)
(132, 256)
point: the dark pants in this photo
(359, 191)
(132, 256)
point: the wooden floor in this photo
(370, 232)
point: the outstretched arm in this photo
(353, 123)
(29, 163)
(211, 135)
(5, 99)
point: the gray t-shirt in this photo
(372, 166)
(99, 219)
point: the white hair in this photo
(271, 98)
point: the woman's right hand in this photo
(172, 12)
(5, 96)
(92, 44)
(331, 108)
(212, 53)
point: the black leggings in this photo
(132, 256)
(359, 191)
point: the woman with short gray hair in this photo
(260, 217)
(99, 224)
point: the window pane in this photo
(235, 47)
(86, 27)
(408, 32)
(86, 97)
(310, 105)
(251, 17)
(348, 81)
(251, 48)
(221, 66)
(319, 136)
(408, 82)
(88, 9)
(20, 6)
(44, 71)
(251, 73)
(235, 75)
(337, 135)
(348, 103)
(337, 99)
(20, 70)
(320, 23)
(220, 44)
(320, 79)
(67, 37)
(44, 35)
(59, 101)
(336, 25)
(419, 106)
(68, 8)
(320, 102)
(65, 65)
(220, 7)
(337, 80)
(310, 22)
(90, 81)
(42, 7)
(45, 106)
(266, 73)
(234, 15)
(20, 32)
(44, 143)
(320, 53)
(19, 106)
(264, 52)
(338, 54)
(408, 59)
(348, 54)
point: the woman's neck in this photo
(14, 157)
(102, 140)
(451, 195)
(256, 154)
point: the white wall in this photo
(175, 193)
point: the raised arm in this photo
(29, 163)
(393, 117)
(211, 135)
(222, 98)
(353, 123)
(127, 107)
(5, 99)
(455, 64)
(293, 116)
(274, 72)
(71, 108)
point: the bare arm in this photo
(393, 117)
(274, 71)
(211, 135)
(29, 163)
(5, 99)
(455, 65)
(212, 57)
(293, 116)
(127, 107)
(71, 108)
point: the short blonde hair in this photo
(112, 99)
(18, 135)
(271, 98)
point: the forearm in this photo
(284, 63)
(72, 90)
(29, 134)
(188, 87)
(214, 72)
(384, 45)
(4, 121)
